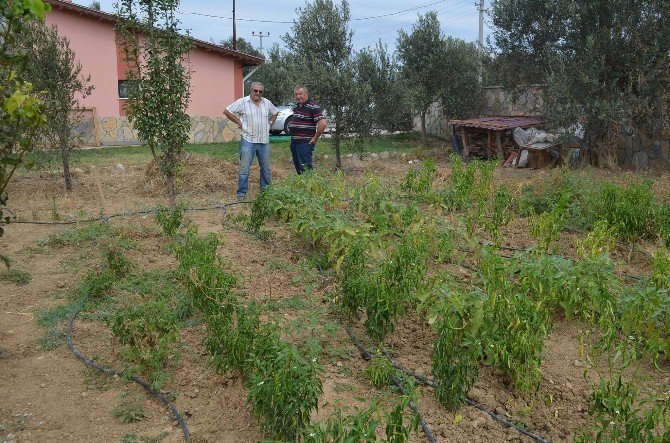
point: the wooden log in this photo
(466, 148)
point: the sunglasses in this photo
(258, 91)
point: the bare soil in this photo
(49, 395)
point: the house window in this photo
(124, 87)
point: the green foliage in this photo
(116, 260)
(158, 64)
(147, 333)
(284, 389)
(390, 93)
(422, 54)
(78, 236)
(52, 67)
(419, 183)
(383, 289)
(380, 371)
(170, 219)
(359, 426)
(464, 180)
(596, 57)
(461, 90)
(396, 432)
(320, 39)
(620, 415)
(98, 282)
(16, 276)
(279, 74)
(130, 410)
(234, 341)
(458, 348)
(630, 210)
(202, 270)
(21, 108)
(645, 309)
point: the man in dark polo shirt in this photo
(305, 127)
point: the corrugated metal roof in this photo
(499, 123)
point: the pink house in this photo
(216, 79)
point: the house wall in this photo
(212, 83)
(216, 81)
(94, 44)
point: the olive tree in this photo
(51, 67)
(605, 63)
(461, 93)
(390, 96)
(422, 53)
(279, 74)
(156, 55)
(21, 109)
(321, 42)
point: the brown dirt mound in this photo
(199, 174)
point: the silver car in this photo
(284, 117)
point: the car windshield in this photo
(283, 108)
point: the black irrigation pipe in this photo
(120, 214)
(139, 381)
(367, 356)
(426, 381)
(364, 352)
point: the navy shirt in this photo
(302, 126)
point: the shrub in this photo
(170, 220)
(147, 333)
(284, 389)
(16, 276)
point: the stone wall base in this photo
(118, 131)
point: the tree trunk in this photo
(424, 137)
(336, 146)
(65, 154)
(169, 179)
(600, 139)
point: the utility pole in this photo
(234, 29)
(261, 36)
(481, 25)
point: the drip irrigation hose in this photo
(367, 356)
(120, 214)
(426, 381)
(139, 381)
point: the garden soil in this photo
(49, 395)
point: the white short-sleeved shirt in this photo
(255, 119)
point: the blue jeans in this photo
(301, 152)
(247, 152)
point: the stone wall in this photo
(635, 150)
(496, 101)
(117, 131)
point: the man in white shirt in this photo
(253, 115)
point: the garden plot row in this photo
(388, 246)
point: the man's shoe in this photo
(241, 198)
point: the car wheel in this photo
(274, 132)
(286, 123)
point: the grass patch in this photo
(130, 410)
(16, 276)
(229, 151)
(78, 236)
(53, 337)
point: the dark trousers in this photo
(301, 152)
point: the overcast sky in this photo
(211, 20)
